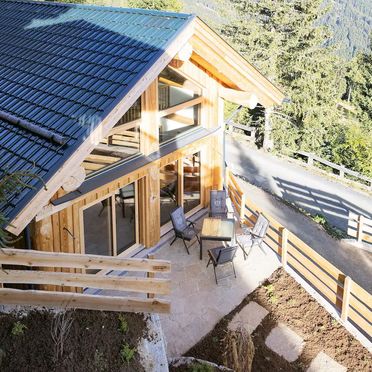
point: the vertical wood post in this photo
(242, 208)
(284, 247)
(310, 160)
(346, 298)
(150, 275)
(227, 177)
(341, 171)
(360, 228)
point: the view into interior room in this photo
(122, 143)
(191, 182)
(179, 104)
(168, 191)
(110, 225)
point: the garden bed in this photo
(93, 341)
(288, 303)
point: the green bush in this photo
(18, 329)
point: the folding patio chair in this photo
(220, 256)
(254, 236)
(183, 228)
(218, 207)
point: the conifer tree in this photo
(286, 41)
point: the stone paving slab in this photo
(285, 342)
(324, 363)
(249, 317)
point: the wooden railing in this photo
(146, 283)
(252, 130)
(360, 227)
(352, 301)
(357, 177)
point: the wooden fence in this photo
(146, 283)
(252, 130)
(357, 177)
(360, 227)
(352, 301)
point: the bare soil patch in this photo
(288, 303)
(95, 342)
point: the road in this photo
(310, 191)
(307, 189)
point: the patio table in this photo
(216, 229)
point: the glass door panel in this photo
(191, 182)
(168, 191)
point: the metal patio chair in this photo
(220, 256)
(254, 236)
(218, 207)
(183, 228)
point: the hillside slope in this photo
(350, 20)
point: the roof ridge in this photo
(106, 8)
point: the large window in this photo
(191, 182)
(110, 225)
(123, 142)
(168, 191)
(179, 104)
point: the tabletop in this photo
(218, 228)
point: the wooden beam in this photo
(81, 301)
(120, 283)
(17, 224)
(150, 119)
(181, 106)
(26, 257)
(239, 97)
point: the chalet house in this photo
(115, 117)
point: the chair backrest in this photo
(178, 219)
(218, 201)
(226, 254)
(261, 226)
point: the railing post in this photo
(346, 298)
(242, 208)
(310, 160)
(150, 275)
(360, 228)
(284, 247)
(227, 176)
(341, 171)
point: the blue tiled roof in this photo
(63, 64)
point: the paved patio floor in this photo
(197, 302)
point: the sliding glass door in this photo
(168, 191)
(191, 182)
(110, 225)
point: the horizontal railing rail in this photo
(12, 259)
(342, 170)
(360, 227)
(252, 130)
(352, 301)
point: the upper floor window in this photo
(179, 104)
(122, 142)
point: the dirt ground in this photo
(97, 342)
(287, 302)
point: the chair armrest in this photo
(256, 236)
(191, 223)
